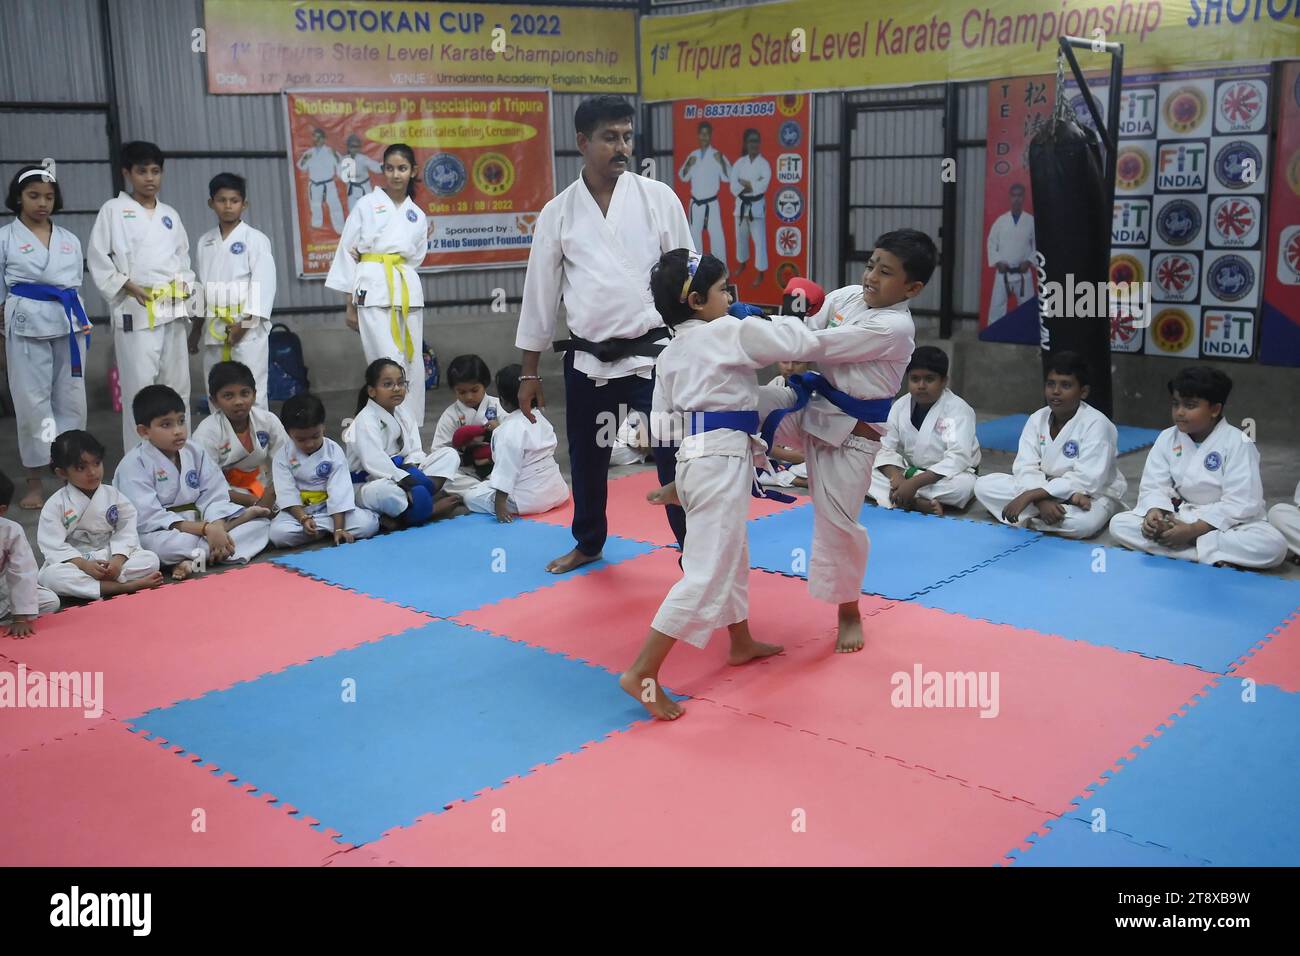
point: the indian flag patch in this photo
(128, 213)
(160, 475)
(69, 517)
(26, 247)
(1178, 450)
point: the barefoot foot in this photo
(744, 652)
(182, 571)
(152, 581)
(648, 692)
(574, 559)
(666, 495)
(848, 638)
(927, 506)
(445, 505)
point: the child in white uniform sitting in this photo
(21, 598)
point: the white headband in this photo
(42, 172)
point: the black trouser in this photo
(589, 458)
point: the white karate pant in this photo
(995, 492)
(755, 230)
(1254, 544)
(286, 532)
(253, 350)
(47, 602)
(711, 210)
(464, 483)
(713, 591)
(784, 478)
(1020, 282)
(68, 580)
(173, 547)
(387, 497)
(1286, 519)
(482, 499)
(377, 342)
(145, 356)
(838, 479)
(47, 399)
(357, 192)
(325, 193)
(954, 491)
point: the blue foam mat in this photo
(909, 552)
(1160, 607)
(449, 567)
(441, 711)
(1003, 434)
(1073, 842)
(1220, 784)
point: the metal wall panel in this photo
(51, 53)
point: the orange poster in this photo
(483, 160)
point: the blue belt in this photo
(72, 308)
(807, 384)
(361, 477)
(746, 422)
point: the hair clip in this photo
(692, 263)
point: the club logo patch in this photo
(264, 438)
(1179, 222)
(791, 133)
(323, 469)
(494, 174)
(1132, 168)
(192, 478)
(789, 204)
(411, 216)
(444, 174)
(790, 103)
(237, 248)
(1238, 165)
(1172, 330)
(111, 515)
(1185, 109)
(1125, 268)
(1235, 221)
(1230, 278)
(167, 221)
(1070, 449)
(1213, 461)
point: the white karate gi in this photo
(19, 591)
(867, 351)
(706, 176)
(217, 437)
(96, 528)
(321, 166)
(1285, 517)
(945, 444)
(631, 440)
(523, 466)
(749, 212)
(374, 439)
(711, 366)
(236, 274)
(1217, 482)
(150, 248)
(48, 398)
(457, 415)
(1012, 242)
(376, 226)
(359, 185)
(1081, 459)
(325, 471)
(164, 495)
(600, 266)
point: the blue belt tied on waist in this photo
(808, 384)
(746, 422)
(72, 308)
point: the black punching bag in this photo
(1072, 223)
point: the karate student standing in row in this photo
(43, 321)
(139, 259)
(236, 274)
(384, 241)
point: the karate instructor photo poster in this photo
(483, 162)
(741, 169)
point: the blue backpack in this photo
(286, 371)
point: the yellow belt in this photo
(169, 291)
(313, 498)
(400, 330)
(224, 318)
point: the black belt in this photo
(745, 202)
(705, 204)
(611, 350)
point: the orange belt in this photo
(250, 481)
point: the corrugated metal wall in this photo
(162, 96)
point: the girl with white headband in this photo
(44, 321)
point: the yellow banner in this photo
(265, 46)
(848, 44)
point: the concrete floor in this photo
(1280, 461)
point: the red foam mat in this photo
(181, 641)
(23, 727)
(108, 797)
(1277, 661)
(718, 788)
(631, 516)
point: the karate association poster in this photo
(1189, 208)
(1008, 297)
(484, 164)
(1279, 342)
(742, 170)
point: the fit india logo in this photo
(1181, 167)
(494, 174)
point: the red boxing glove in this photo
(481, 453)
(813, 296)
(466, 434)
